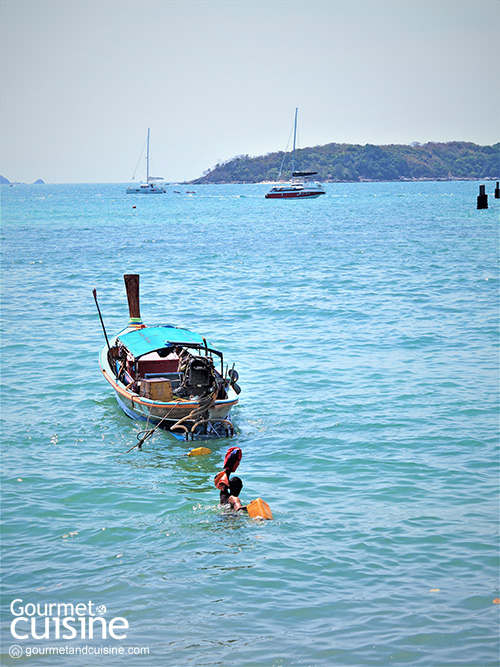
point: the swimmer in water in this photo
(230, 489)
(229, 494)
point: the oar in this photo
(94, 292)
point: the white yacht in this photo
(297, 188)
(150, 187)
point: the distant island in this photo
(353, 163)
(5, 181)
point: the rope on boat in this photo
(284, 154)
(138, 161)
(199, 415)
(200, 411)
(149, 432)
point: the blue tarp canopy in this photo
(150, 339)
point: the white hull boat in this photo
(297, 188)
(150, 187)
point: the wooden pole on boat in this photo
(94, 292)
(132, 287)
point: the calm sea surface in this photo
(364, 326)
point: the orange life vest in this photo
(221, 480)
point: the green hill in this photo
(457, 160)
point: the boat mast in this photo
(294, 136)
(147, 161)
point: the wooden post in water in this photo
(497, 190)
(482, 199)
(132, 287)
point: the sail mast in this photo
(147, 161)
(294, 136)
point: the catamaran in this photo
(296, 188)
(149, 187)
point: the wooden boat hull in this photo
(166, 414)
(166, 375)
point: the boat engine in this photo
(198, 378)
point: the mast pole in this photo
(294, 136)
(147, 161)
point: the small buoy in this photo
(200, 451)
(496, 601)
(134, 206)
(259, 509)
(434, 590)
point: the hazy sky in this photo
(82, 80)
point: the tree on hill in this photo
(353, 163)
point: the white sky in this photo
(82, 80)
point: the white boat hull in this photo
(297, 194)
(145, 190)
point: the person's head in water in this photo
(235, 486)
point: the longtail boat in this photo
(170, 377)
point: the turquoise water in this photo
(364, 326)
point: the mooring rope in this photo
(149, 433)
(202, 408)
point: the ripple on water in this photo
(366, 341)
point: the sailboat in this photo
(149, 187)
(297, 188)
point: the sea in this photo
(364, 326)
